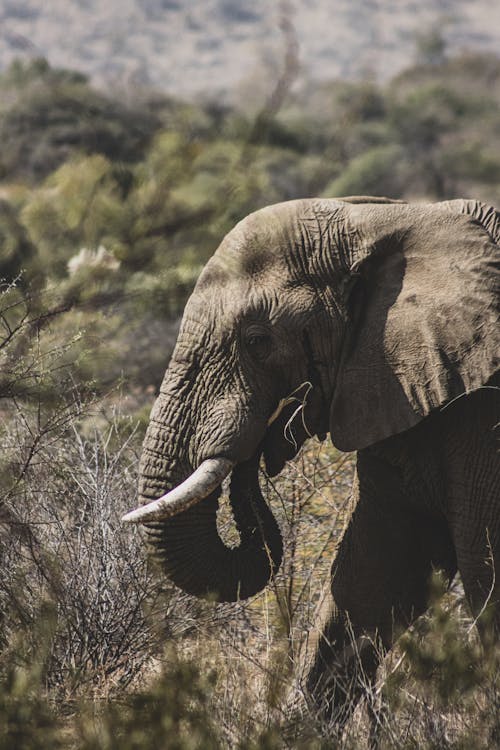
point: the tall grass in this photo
(99, 651)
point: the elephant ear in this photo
(422, 315)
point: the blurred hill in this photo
(118, 202)
(213, 46)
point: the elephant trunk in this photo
(188, 544)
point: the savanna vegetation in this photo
(109, 206)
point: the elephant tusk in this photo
(207, 477)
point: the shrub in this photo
(50, 115)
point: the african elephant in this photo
(384, 317)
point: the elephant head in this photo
(354, 316)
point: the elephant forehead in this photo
(243, 273)
(258, 242)
(272, 226)
(226, 300)
(277, 241)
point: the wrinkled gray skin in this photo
(391, 312)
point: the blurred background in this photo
(133, 135)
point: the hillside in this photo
(217, 45)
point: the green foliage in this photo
(474, 161)
(27, 720)
(378, 171)
(437, 652)
(122, 215)
(32, 368)
(173, 713)
(445, 689)
(17, 253)
(72, 207)
(48, 115)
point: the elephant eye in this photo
(258, 344)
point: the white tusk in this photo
(207, 477)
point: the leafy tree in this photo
(18, 258)
(49, 115)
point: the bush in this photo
(379, 171)
(52, 115)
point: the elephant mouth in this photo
(284, 437)
(282, 440)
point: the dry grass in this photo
(100, 652)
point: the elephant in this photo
(382, 318)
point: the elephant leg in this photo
(473, 465)
(380, 584)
